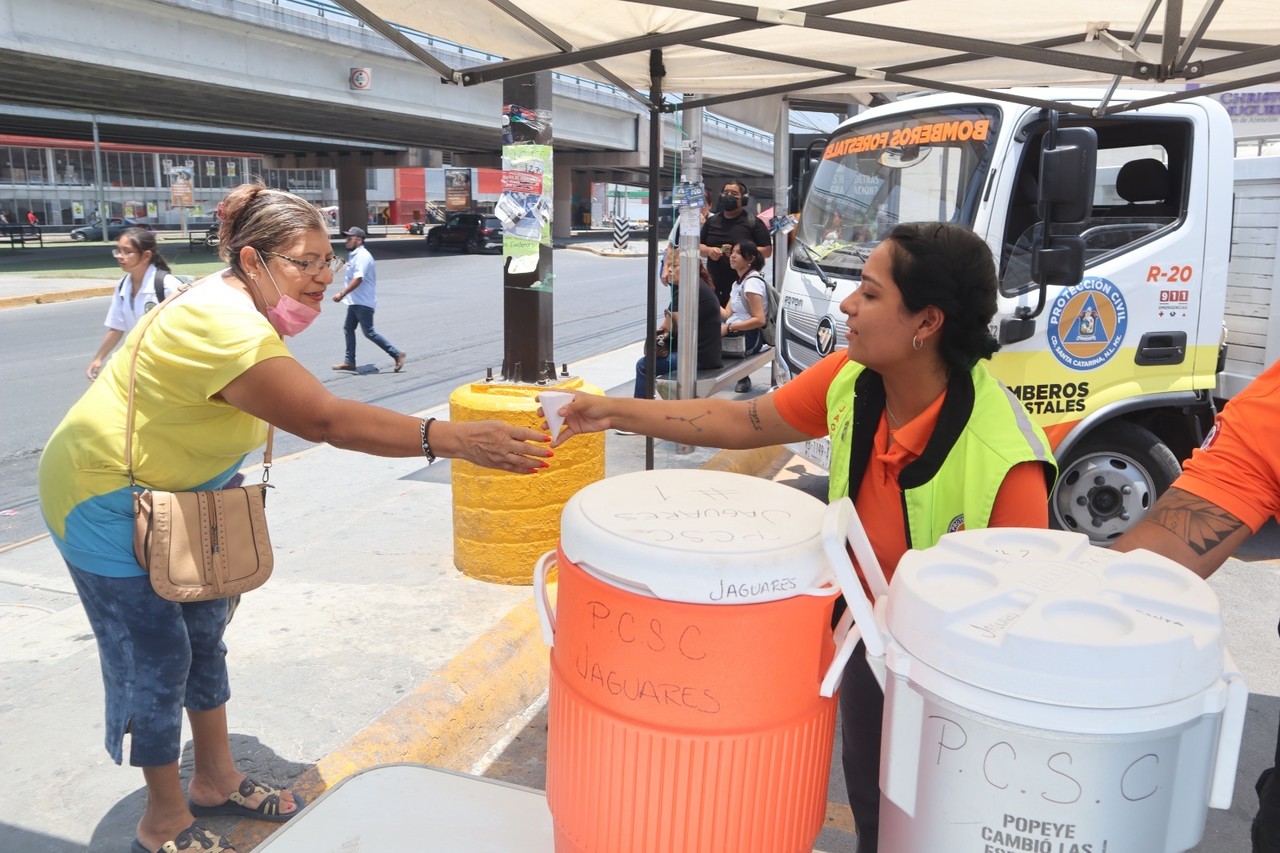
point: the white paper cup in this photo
(552, 401)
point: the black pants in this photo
(861, 719)
(1266, 824)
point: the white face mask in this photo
(288, 316)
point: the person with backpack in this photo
(746, 313)
(146, 280)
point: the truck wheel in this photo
(1110, 481)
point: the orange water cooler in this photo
(693, 666)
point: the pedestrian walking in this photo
(360, 295)
(31, 218)
(146, 281)
(212, 371)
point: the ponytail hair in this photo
(144, 240)
(264, 219)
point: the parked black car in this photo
(473, 232)
(115, 227)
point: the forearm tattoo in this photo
(1202, 525)
(755, 417)
(693, 422)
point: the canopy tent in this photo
(843, 50)
(852, 49)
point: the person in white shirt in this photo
(146, 281)
(744, 314)
(361, 298)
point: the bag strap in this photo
(133, 376)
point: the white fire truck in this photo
(1112, 237)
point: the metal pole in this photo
(97, 180)
(527, 276)
(656, 73)
(690, 235)
(781, 183)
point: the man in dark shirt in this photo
(732, 224)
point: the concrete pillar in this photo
(580, 181)
(599, 204)
(563, 216)
(353, 205)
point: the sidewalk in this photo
(366, 647)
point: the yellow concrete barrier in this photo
(503, 522)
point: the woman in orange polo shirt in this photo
(922, 435)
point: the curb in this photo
(605, 253)
(452, 718)
(50, 298)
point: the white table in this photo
(411, 808)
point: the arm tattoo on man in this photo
(755, 417)
(693, 422)
(1201, 524)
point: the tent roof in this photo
(853, 49)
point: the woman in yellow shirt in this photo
(212, 372)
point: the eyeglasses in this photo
(122, 253)
(312, 267)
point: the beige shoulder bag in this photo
(198, 545)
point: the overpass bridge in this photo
(272, 78)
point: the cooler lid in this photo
(1045, 616)
(705, 537)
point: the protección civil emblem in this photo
(1087, 324)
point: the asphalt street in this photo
(443, 309)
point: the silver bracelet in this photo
(424, 428)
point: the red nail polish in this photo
(550, 452)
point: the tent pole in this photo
(656, 73)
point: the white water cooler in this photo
(1042, 694)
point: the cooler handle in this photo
(1230, 734)
(546, 615)
(847, 636)
(840, 524)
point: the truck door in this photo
(1118, 359)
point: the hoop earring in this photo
(916, 343)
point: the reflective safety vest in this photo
(982, 432)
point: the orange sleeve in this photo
(802, 402)
(1239, 466)
(1023, 499)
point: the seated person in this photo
(708, 332)
(748, 302)
(834, 232)
(745, 313)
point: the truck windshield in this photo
(927, 165)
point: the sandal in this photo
(194, 838)
(268, 809)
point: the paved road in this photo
(445, 310)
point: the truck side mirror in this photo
(1060, 264)
(1067, 174)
